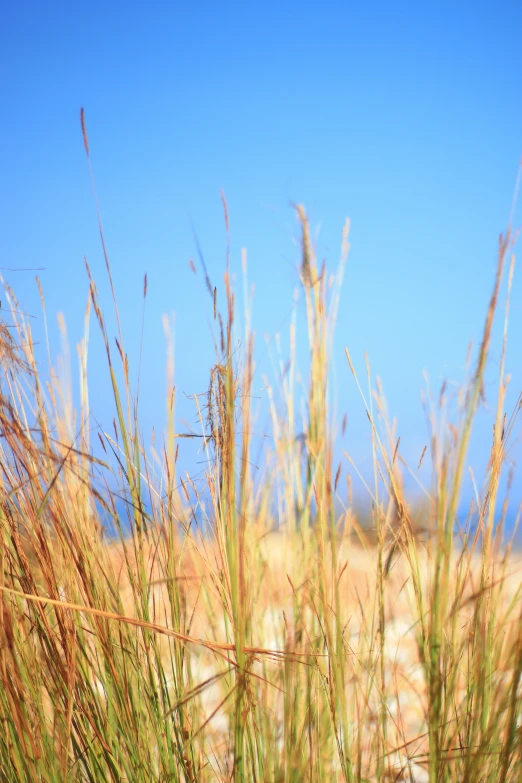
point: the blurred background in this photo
(404, 117)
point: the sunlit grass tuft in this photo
(250, 628)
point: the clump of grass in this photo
(273, 640)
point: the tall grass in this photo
(250, 629)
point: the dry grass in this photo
(272, 641)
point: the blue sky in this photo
(405, 117)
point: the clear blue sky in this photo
(406, 117)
